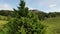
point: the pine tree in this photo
(25, 22)
(22, 10)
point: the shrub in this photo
(25, 26)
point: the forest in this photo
(25, 21)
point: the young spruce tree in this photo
(25, 22)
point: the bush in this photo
(25, 26)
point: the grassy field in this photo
(53, 25)
(2, 24)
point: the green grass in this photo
(2, 25)
(53, 25)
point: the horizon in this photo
(42, 5)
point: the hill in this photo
(53, 25)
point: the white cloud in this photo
(49, 5)
(5, 7)
(30, 8)
(52, 6)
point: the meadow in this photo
(53, 25)
(2, 25)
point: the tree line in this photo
(41, 15)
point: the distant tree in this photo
(6, 13)
(52, 15)
(41, 15)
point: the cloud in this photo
(52, 6)
(30, 8)
(5, 7)
(46, 5)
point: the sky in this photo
(43, 5)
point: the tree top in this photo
(21, 0)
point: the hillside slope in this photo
(53, 25)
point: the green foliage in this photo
(53, 14)
(6, 18)
(6, 12)
(41, 15)
(26, 26)
(25, 22)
